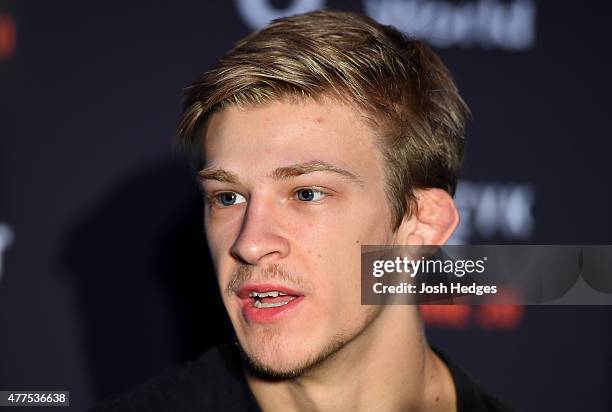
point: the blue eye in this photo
(230, 198)
(309, 195)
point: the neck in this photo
(385, 368)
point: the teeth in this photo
(260, 305)
(272, 294)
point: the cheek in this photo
(356, 225)
(341, 253)
(219, 238)
(222, 228)
(334, 253)
(333, 239)
(213, 242)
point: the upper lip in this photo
(246, 289)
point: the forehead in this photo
(282, 132)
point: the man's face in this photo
(293, 190)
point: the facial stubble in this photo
(272, 342)
(271, 338)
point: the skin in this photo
(333, 352)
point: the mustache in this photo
(269, 272)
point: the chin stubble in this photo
(335, 344)
(259, 369)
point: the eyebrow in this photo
(212, 173)
(281, 173)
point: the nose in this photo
(260, 239)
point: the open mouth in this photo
(267, 302)
(270, 299)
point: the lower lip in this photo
(268, 315)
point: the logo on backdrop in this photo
(6, 239)
(485, 23)
(258, 13)
(492, 210)
(507, 25)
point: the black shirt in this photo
(215, 382)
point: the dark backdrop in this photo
(106, 279)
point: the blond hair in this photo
(400, 85)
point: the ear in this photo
(432, 222)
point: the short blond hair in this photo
(398, 83)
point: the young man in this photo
(316, 135)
